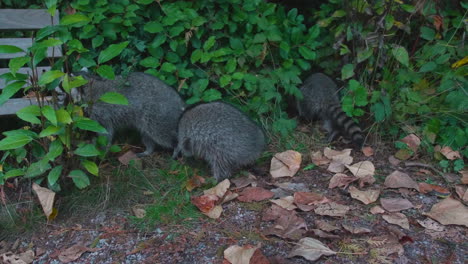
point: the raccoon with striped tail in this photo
(220, 134)
(321, 101)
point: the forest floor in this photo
(392, 226)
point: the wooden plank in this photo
(25, 43)
(14, 105)
(18, 19)
(40, 70)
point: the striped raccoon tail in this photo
(337, 123)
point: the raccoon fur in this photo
(321, 101)
(153, 107)
(221, 135)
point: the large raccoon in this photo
(220, 134)
(321, 101)
(153, 107)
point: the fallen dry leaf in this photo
(331, 209)
(285, 202)
(354, 229)
(362, 169)
(309, 198)
(431, 225)
(259, 258)
(46, 198)
(394, 161)
(139, 211)
(341, 180)
(311, 249)
(251, 194)
(398, 179)
(464, 178)
(205, 203)
(323, 234)
(369, 179)
(285, 164)
(462, 192)
(220, 189)
(397, 219)
(21, 258)
(450, 154)
(287, 224)
(318, 158)
(127, 157)
(377, 210)
(245, 181)
(449, 212)
(433, 189)
(74, 252)
(229, 196)
(325, 225)
(367, 197)
(215, 212)
(384, 246)
(412, 141)
(395, 204)
(194, 182)
(239, 255)
(338, 159)
(367, 151)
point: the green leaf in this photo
(63, 116)
(10, 90)
(49, 113)
(106, 71)
(209, 43)
(174, 31)
(50, 76)
(114, 98)
(46, 31)
(211, 95)
(347, 71)
(55, 150)
(87, 150)
(97, 41)
(89, 125)
(91, 167)
(150, 62)
(13, 173)
(158, 40)
(37, 168)
(47, 43)
(14, 141)
(80, 179)
(231, 65)
(69, 82)
(236, 43)
(224, 80)
(29, 114)
(16, 63)
(401, 55)
(50, 130)
(153, 27)
(196, 55)
(307, 53)
(363, 55)
(379, 111)
(9, 49)
(309, 167)
(111, 52)
(168, 67)
(54, 175)
(73, 19)
(428, 67)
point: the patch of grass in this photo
(19, 219)
(254, 206)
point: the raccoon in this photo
(321, 101)
(153, 107)
(220, 134)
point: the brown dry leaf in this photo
(318, 158)
(367, 197)
(46, 198)
(450, 154)
(353, 229)
(431, 225)
(259, 258)
(311, 249)
(464, 179)
(369, 179)
(194, 182)
(362, 169)
(323, 234)
(325, 225)
(341, 180)
(385, 245)
(367, 151)
(336, 167)
(245, 181)
(309, 198)
(287, 224)
(74, 252)
(462, 192)
(397, 219)
(395, 204)
(338, 159)
(331, 209)
(285, 164)
(251, 194)
(215, 212)
(205, 203)
(285, 202)
(220, 189)
(239, 255)
(412, 141)
(229, 197)
(22, 258)
(398, 179)
(433, 189)
(449, 212)
(127, 157)
(377, 210)
(139, 211)
(394, 161)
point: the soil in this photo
(114, 240)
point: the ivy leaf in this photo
(87, 150)
(168, 67)
(150, 62)
(211, 95)
(209, 43)
(153, 27)
(111, 52)
(80, 179)
(196, 55)
(50, 76)
(401, 55)
(307, 53)
(114, 98)
(347, 71)
(106, 71)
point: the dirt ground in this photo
(108, 236)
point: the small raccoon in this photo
(221, 135)
(153, 107)
(321, 101)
